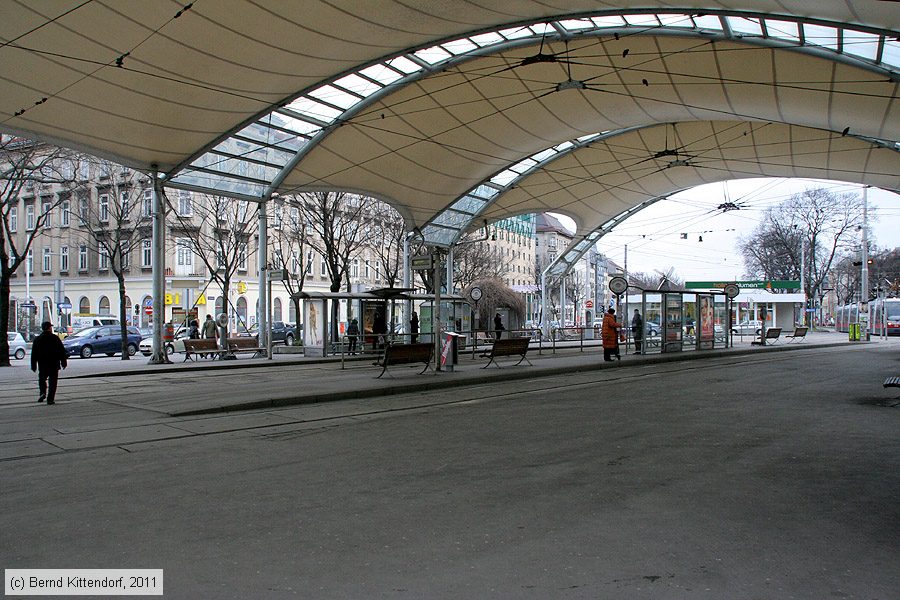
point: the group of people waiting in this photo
(611, 334)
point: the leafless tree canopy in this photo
(25, 167)
(820, 221)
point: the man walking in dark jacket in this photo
(47, 356)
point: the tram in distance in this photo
(884, 316)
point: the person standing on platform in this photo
(498, 325)
(609, 334)
(414, 328)
(352, 336)
(637, 330)
(209, 328)
(47, 356)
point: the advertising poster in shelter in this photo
(707, 321)
(314, 327)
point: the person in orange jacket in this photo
(609, 334)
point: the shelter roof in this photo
(444, 108)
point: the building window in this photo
(83, 257)
(64, 258)
(64, 214)
(103, 256)
(104, 170)
(29, 261)
(104, 305)
(354, 269)
(295, 263)
(84, 306)
(29, 217)
(184, 256)
(83, 209)
(84, 170)
(46, 262)
(104, 208)
(276, 218)
(13, 219)
(242, 257)
(123, 200)
(147, 203)
(367, 269)
(146, 253)
(309, 263)
(323, 268)
(276, 309)
(45, 212)
(125, 260)
(184, 203)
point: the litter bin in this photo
(450, 350)
(854, 332)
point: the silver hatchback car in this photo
(16, 344)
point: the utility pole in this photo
(864, 275)
(803, 277)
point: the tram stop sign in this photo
(148, 310)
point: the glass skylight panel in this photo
(563, 146)
(453, 219)
(862, 44)
(891, 54)
(484, 191)
(487, 39)
(540, 156)
(642, 20)
(708, 22)
(222, 185)
(438, 235)
(608, 21)
(359, 85)
(382, 74)
(516, 33)
(292, 123)
(504, 177)
(522, 166)
(783, 30)
(820, 36)
(469, 204)
(675, 20)
(401, 63)
(460, 46)
(577, 24)
(745, 25)
(245, 149)
(433, 55)
(542, 28)
(267, 135)
(317, 110)
(333, 95)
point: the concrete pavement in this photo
(742, 476)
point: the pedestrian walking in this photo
(352, 335)
(47, 356)
(498, 325)
(194, 330)
(209, 328)
(609, 333)
(414, 328)
(637, 330)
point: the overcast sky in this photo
(653, 236)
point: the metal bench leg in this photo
(525, 358)
(383, 370)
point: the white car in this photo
(146, 345)
(16, 344)
(747, 328)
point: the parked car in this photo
(83, 322)
(108, 339)
(16, 344)
(281, 332)
(747, 328)
(172, 346)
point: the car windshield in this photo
(10, 336)
(85, 332)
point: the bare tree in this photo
(290, 239)
(218, 230)
(476, 259)
(384, 235)
(116, 227)
(816, 223)
(25, 168)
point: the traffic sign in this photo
(63, 305)
(276, 275)
(589, 304)
(27, 305)
(148, 310)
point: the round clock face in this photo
(475, 294)
(732, 290)
(618, 285)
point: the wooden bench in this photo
(399, 354)
(200, 347)
(892, 382)
(798, 336)
(246, 344)
(508, 347)
(773, 334)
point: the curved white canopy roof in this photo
(419, 103)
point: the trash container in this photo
(854, 332)
(449, 350)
